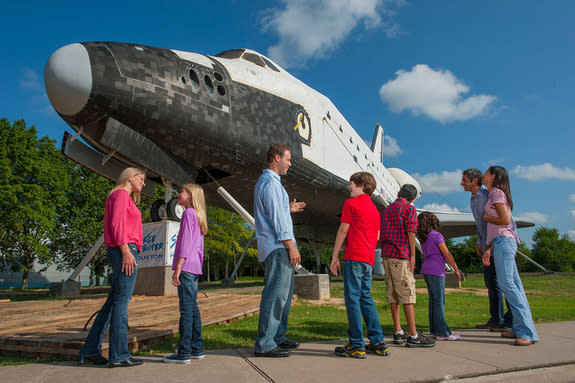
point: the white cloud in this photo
(572, 198)
(435, 94)
(442, 183)
(573, 213)
(571, 234)
(391, 147)
(541, 172)
(440, 207)
(30, 80)
(315, 28)
(535, 217)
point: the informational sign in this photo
(159, 244)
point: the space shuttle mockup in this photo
(188, 117)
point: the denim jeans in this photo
(504, 249)
(496, 307)
(357, 277)
(276, 301)
(190, 321)
(436, 291)
(114, 312)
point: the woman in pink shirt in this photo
(187, 266)
(502, 242)
(123, 238)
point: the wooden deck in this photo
(55, 328)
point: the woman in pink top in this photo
(123, 238)
(187, 266)
(502, 242)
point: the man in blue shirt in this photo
(471, 181)
(277, 248)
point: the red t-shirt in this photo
(363, 219)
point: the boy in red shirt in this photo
(360, 226)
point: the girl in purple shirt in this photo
(435, 254)
(187, 267)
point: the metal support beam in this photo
(535, 263)
(87, 258)
(231, 279)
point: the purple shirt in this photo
(433, 260)
(190, 243)
(498, 196)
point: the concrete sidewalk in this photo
(480, 356)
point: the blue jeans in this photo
(190, 321)
(114, 312)
(357, 277)
(496, 307)
(276, 301)
(436, 292)
(504, 249)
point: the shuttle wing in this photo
(454, 224)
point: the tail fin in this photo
(377, 142)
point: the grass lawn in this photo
(551, 298)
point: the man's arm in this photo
(296, 207)
(339, 240)
(293, 252)
(411, 239)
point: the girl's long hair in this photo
(199, 204)
(426, 222)
(501, 181)
(123, 181)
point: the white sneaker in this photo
(453, 336)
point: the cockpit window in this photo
(231, 54)
(248, 56)
(270, 64)
(253, 58)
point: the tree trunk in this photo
(208, 270)
(28, 264)
(25, 278)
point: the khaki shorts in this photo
(400, 281)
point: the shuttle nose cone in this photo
(68, 79)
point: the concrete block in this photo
(312, 286)
(451, 280)
(65, 288)
(155, 281)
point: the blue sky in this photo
(456, 84)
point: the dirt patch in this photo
(337, 302)
(451, 290)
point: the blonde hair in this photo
(199, 204)
(123, 180)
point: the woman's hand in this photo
(128, 260)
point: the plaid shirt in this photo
(397, 220)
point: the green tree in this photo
(81, 221)
(32, 190)
(465, 255)
(552, 251)
(227, 235)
